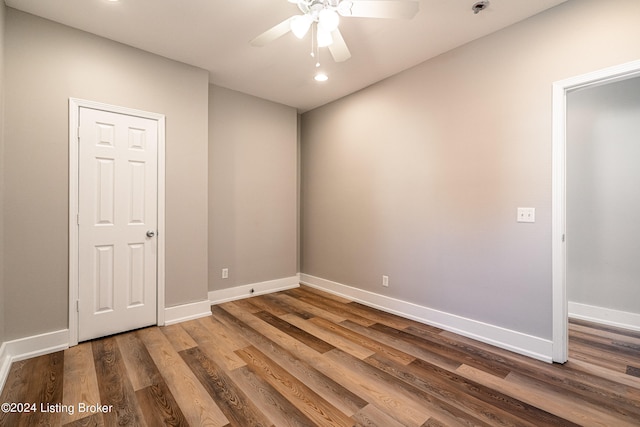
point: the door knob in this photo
(151, 233)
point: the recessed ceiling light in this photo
(321, 77)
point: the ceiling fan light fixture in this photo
(328, 19)
(324, 37)
(326, 15)
(300, 24)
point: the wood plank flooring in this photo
(306, 358)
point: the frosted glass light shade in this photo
(300, 24)
(328, 19)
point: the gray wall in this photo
(252, 189)
(2, 297)
(46, 63)
(603, 196)
(418, 177)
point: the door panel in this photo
(117, 260)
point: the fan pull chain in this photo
(313, 36)
(317, 48)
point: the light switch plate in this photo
(385, 281)
(526, 215)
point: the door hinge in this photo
(563, 238)
(78, 133)
(78, 305)
(78, 219)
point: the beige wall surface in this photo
(419, 177)
(603, 196)
(252, 189)
(46, 63)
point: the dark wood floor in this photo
(304, 358)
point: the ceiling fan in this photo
(325, 14)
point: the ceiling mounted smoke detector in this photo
(479, 6)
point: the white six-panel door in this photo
(117, 222)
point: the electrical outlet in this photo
(526, 215)
(225, 273)
(385, 281)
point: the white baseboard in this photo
(528, 345)
(25, 348)
(246, 291)
(606, 316)
(38, 345)
(184, 312)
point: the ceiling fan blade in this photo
(396, 9)
(338, 48)
(272, 33)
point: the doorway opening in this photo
(561, 89)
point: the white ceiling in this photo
(215, 34)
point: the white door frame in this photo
(74, 109)
(559, 143)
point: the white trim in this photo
(25, 348)
(161, 241)
(605, 316)
(5, 365)
(558, 247)
(515, 341)
(38, 345)
(559, 335)
(74, 108)
(260, 288)
(184, 312)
